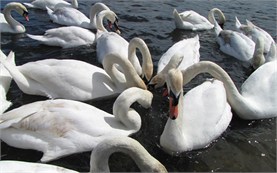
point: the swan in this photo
(191, 20)
(181, 55)
(73, 17)
(99, 157)
(110, 42)
(62, 127)
(5, 81)
(254, 32)
(7, 23)
(257, 99)
(72, 36)
(52, 4)
(231, 42)
(197, 118)
(74, 79)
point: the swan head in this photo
(20, 9)
(174, 81)
(159, 80)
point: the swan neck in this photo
(147, 64)
(95, 9)
(212, 19)
(101, 154)
(234, 97)
(99, 21)
(258, 57)
(131, 77)
(10, 20)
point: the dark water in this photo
(245, 146)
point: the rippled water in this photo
(245, 146)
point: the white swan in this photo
(254, 32)
(257, 99)
(62, 127)
(99, 157)
(191, 20)
(73, 79)
(181, 55)
(110, 42)
(7, 23)
(197, 118)
(52, 4)
(231, 42)
(73, 17)
(72, 36)
(5, 81)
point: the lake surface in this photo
(245, 146)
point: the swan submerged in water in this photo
(197, 118)
(73, 17)
(73, 36)
(62, 127)
(191, 20)
(74, 79)
(52, 4)
(98, 160)
(7, 23)
(5, 81)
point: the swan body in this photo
(73, 17)
(197, 118)
(5, 81)
(52, 4)
(73, 79)
(254, 32)
(7, 23)
(257, 99)
(73, 36)
(62, 127)
(65, 37)
(181, 55)
(191, 20)
(231, 42)
(99, 157)
(110, 42)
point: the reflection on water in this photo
(245, 146)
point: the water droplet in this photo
(262, 154)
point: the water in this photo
(245, 146)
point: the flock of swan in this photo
(64, 125)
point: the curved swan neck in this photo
(11, 21)
(241, 106)
(212, 19)
(122, 105)
(132, 79)
(95, 9)
(101, 153)
(99, 19)
(147, 64)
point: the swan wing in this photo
(66, 37)
(188, 47)
(69, 16)
(9, 166)
(236, 44)
(260, 89)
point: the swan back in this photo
(101, 153)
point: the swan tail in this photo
(49, 11)
(29, 5)
(238, 24)
(177, 18)
(37, 37)
(54, 152)
(13, 70)
(11, 58)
